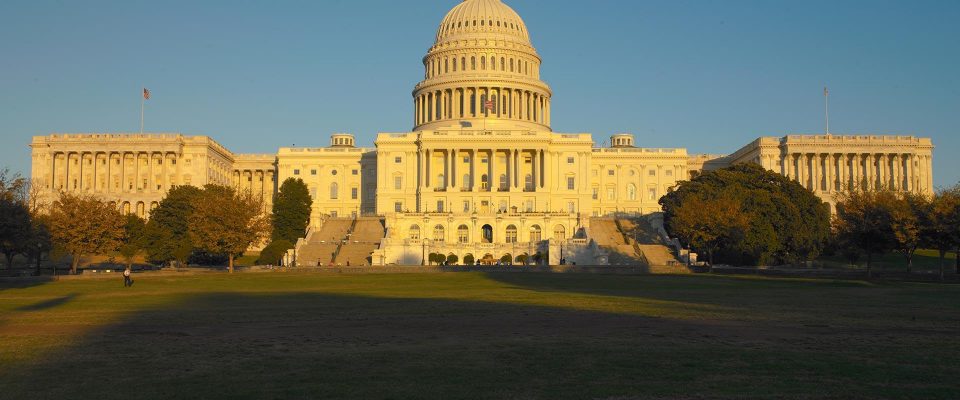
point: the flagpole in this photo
(826, 109)
(143, 100)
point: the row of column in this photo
(100, 172)
(470, 103)
(833, 172)
(260, 182)
(514, 170)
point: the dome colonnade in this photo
(482, 71)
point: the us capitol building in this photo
(481, 173)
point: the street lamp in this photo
(39, 253)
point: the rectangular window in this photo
(398, 206)
(313, 172)
(596, 193)
(572, 207)
(440, 206)
(570, 160)
(353, 193)
(669, 172)
(296, 172)
(611, 194)
(355, 172)
(398, 182)
(610, 172)
(484, 161)
(466, 206)
(333, 214)
(466, 159)
(653, 172)
(571, 183)
(652, 194)
(173, 161)
(529, 206)
(398, 160)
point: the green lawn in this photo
(477, 336)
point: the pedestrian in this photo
(127, 282)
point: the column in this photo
(473, 170)
(535, 169)
(453, 170)
(929, 168)
(802, 171)
(493, 179)
(909, 172)
(896, 175)
(516, 168)
(816, 167)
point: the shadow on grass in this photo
(23, 283)
(48, 304)
(346, 346)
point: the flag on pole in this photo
(488, 105)
(826, 92)
(146, 94)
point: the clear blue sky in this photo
(706, 75)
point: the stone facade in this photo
(482, 172)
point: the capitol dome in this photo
(482, 72)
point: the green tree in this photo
(522, 259)
(274, 252)
(864, 220)
(786, 222)
(291, 211)
(538, 258)
(83, 224)
(469, 259)
(134, 238)
(166, 237)
(453, 259)
(226, 222)
(941, 226)
(907, 211)
(506, 259)
(709, 225)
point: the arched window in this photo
(483, 63)
(439, 234)
(535, 233)
(560, 232)
(334, 191)
(463, 234)
(467, 184)
(511, 65)
(493, 63)
(473, 63)
(504, 185)
(632, 192)
(415, 232)
(454, 65)
(484, 182)
(511, 234)
(446, 66)
(503, 63)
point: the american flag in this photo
(488, 105)
(826, 92)
(146, 94)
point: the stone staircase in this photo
(635, 241)
(611, 239)
(341, 240)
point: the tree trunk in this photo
(231, 263)
(869, 265)
(711, 261)
(943, 256)
(39, 257)
(74, 263)
(9, 260)
(909, 263)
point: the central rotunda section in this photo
(483, 73)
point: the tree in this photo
(506, 259)
(274, 252)
(787, 222)
(226, 222)
(166, 237)
(537, 258)
(435, 258)
(291, 211)
(82, 224)
(941, 227)
(864, 220)
(469, 259)
(452, 259)
(522, 259)
(15, 223)
(710, 224)
(907, 211)
(134, 238)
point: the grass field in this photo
(477, 336)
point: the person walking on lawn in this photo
(127, 282)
